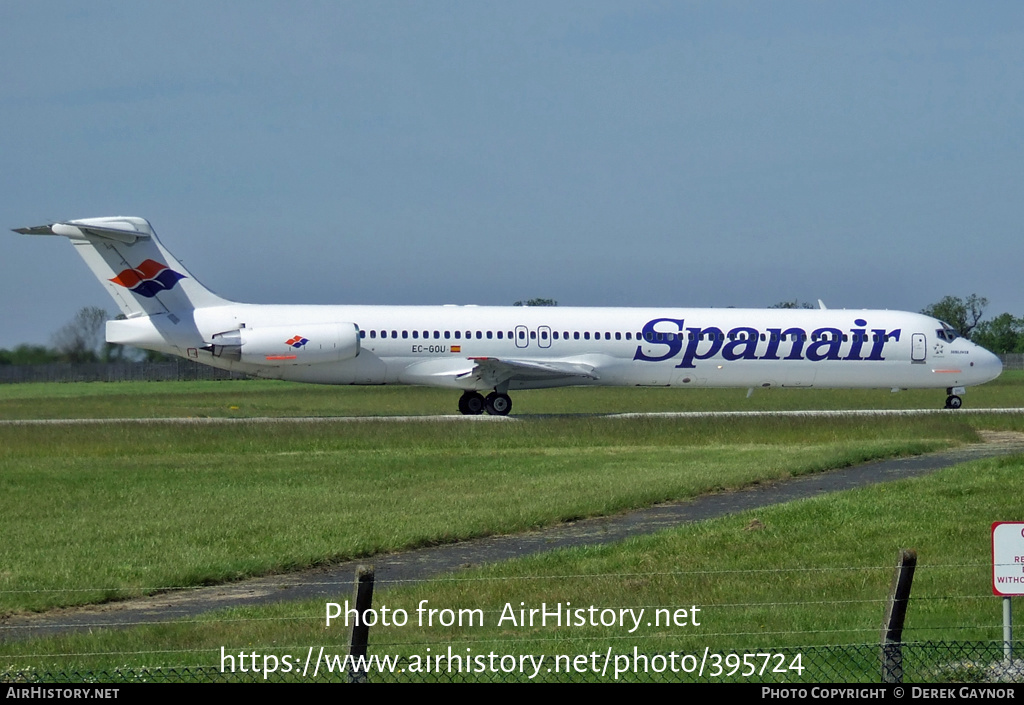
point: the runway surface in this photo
(507, 419)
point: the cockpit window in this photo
(946, 333)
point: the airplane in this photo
(489, 350)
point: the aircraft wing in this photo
(493, 371)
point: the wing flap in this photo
(497, 370)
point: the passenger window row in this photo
(491, 335)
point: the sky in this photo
(678, 154)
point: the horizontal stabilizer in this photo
(127, 231)
(36, 230)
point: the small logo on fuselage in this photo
(296, 341)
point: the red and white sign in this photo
(1008, 558)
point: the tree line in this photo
(1002, 334)
(82, 338)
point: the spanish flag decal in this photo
(456, 348)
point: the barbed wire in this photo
(460, 643)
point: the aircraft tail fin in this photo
(134, 267)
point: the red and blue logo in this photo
(296, 341)
(148, 279)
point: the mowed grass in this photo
(98, 512)
(806, 573)
(255, 398)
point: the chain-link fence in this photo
(1012, 361)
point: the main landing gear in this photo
(495, 404)
(953, 401)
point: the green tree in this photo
(962, 314)
(152, 356)
(536, 302)
(1003, 334)
(26, 354)
(82, 340)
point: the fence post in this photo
(360, 630)
(895, 614)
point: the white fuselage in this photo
(623, 346)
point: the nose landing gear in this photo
(953, 401)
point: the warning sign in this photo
(1008, 558)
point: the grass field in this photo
(101, 512)
(121, 509)
(812, 572)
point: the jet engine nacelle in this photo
(304, 344)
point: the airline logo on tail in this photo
(148, 279)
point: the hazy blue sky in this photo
(599, 153)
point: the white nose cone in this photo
(985, 366)
(992, 365)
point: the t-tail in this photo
(156, 294)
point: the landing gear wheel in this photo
(498, 404)
(471, 403)
(954, 402)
